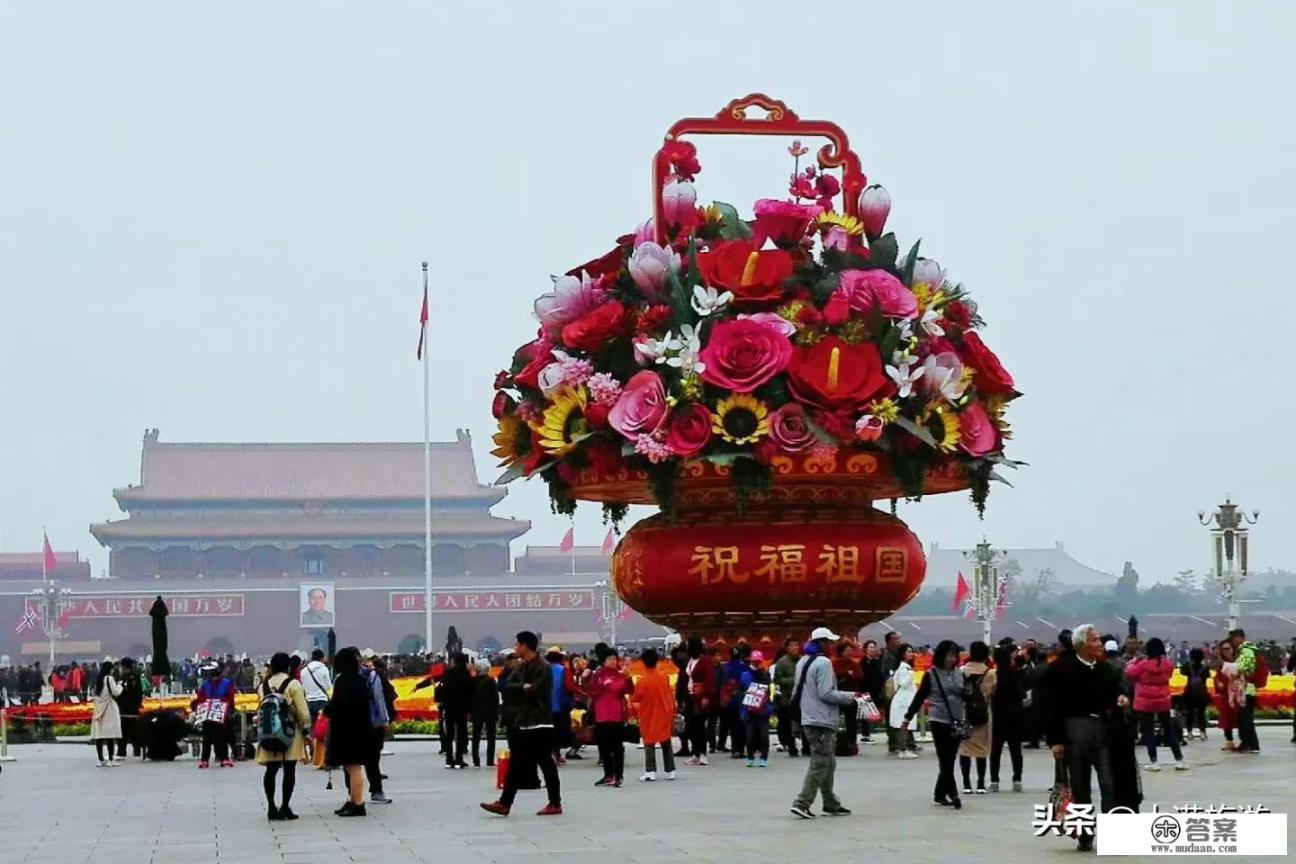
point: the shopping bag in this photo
(867, 709)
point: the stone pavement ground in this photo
(57, 806)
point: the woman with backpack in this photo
(282, 720)
(105, 724)
(978, 688)
(350, 728)
(1150, 676)
(217, 693)
(1196, 695)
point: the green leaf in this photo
(911, 260)
(724, 459)
(915, 430)
(514, 471)
(732, 227)
(678, 297)
(890, 342)
(883, 251)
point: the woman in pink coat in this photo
(1150, 676)
(608, 692)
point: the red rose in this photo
(598, 328)
(503, 379)
(540, 356)
(835, 423)
(959, 314)
(790, 429)
(690, 430)
(849, 380)
(991, 378)
(754, 276)
(596, 415)
(809, 316)
(742, 354)
(837, 310)
(503, 404)
(782, 221)
(654, 319)
(681, 156)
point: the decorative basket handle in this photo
(779, 120)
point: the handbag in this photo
(959, 726)
(1060, 796)
(630, 733)
(867, 710)
(679, 724)
(756, 697)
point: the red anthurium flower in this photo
(754, 276)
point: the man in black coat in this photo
(457, 694)
(528, 709)
(129, 703)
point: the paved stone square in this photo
(57, 806)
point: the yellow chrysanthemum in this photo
(791, 311)
(994, 408)
(564, 420)
(691, 388)
(808, 337)
(711, 214)
(966, 377)
(849, 224)
(854, 331)
(943, 426)
(741, 419)
(885, 410)
(511, 440)
(929, 297)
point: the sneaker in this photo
(957, 803)
(103, 764)
(353, 810)
(227, 763)
(617, 783)
(379, 798)
(802, 812)
(573, 755)
(670, 775)
(547, 810)
(693, 760)
(1152, 766)
(1229, 745)
(648, 777)
(762, 763)
(560, 761)
(909, 754)
(1181, 765)
(605, 781)
(495, 807)
(202, 764)
(967, 790)
(287, 815)
(994, 785)
(837, 811)
(112, 764)
(751, 763)
(980, 790)
(1017, 786)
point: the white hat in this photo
(367, 653)
(823, 633)
(1111, 646)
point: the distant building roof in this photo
(324, 526)
(552, 560)
(944, 565)
(27, 565)
(303, 472)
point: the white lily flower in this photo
(648, 349)
(687, 348)
(944, 377)
(905, 377)
(931, 323)
(707, 300)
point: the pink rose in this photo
(977, 435)
(741, 355)
(641, 408)
(878, 289)
(690, 430)
(782, 221)
(790, 429)
(572, 298)
(772, 320)
(649, 267)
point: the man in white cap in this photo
(816, 698)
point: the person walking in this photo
(784, 682)
(1081, 691)
(701, 672)
(527, 697)
(1247, 665)
(947, 717)
(485, 713)
(1007, 716)
(350, 735)
(105, 723)
(560, 702)
(655, 703)
(608, 691)
(755, 710)
(1150, 676)
(217, 692)
(816, 695)
(872, 683)
(380, 718)
(457, 693)
(680, 658)
(978, 687)
(316, 680)
(850, 677)
(904, 688)
(288, 697)
(1196, 694)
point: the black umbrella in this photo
(332, 644)
(158, 612)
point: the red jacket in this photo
(608, 692)
(1151, 679)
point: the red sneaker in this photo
(204, 764)
(226, 763)
(495, 807)
(550, 810)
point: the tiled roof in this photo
(324, 526)
(297, 472)
(943, 566)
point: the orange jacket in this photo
(655, 698)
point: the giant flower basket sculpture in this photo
(763, 381)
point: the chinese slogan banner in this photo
(126, 606)
(495, 601)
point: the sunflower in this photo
(563, 424)
(741, 419)
(943, 426)
(512, 441)
(994, 407)
(849, 224)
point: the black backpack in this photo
(976, 711)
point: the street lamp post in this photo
(985, 584)
(613, 607)
(1229, 548)
(51, 597)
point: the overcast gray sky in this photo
(212, 217)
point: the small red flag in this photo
(961, 592)
(50, 561)
(423, 317)
(609, 542)
(569, 541)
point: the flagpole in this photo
(427, 484)
(49, 598)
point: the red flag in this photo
(961, 592)
(609, 542)
(423, 316)
(50, 561)
(569, 541)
